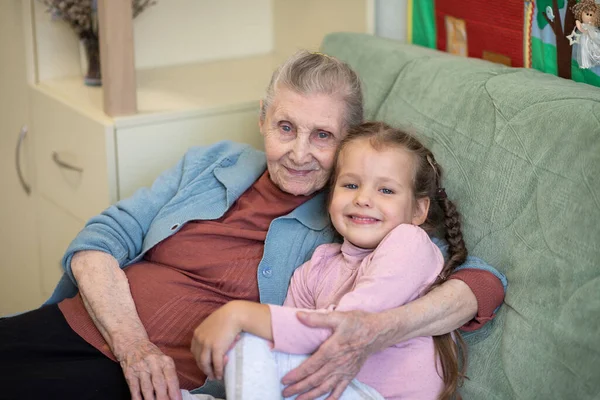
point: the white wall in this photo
(390, 19)
(171, 32)
(185, 31)
(57, 47)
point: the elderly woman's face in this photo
(301, 135)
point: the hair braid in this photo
(457, 250)
(450, 348)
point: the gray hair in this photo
(317, 73)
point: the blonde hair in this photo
(317, 73)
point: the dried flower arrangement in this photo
(81, 15)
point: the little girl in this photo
(385, 193)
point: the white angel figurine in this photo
(587, 15)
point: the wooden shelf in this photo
(169, 92)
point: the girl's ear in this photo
(421, 210)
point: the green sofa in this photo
(521, 150)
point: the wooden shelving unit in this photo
(228, 77)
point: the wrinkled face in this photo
(301, 134)
(587, 17)
(373, 193)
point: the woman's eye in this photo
(387, 191)
(286, 128)
(323, 135)
(350, 186)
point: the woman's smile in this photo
(299, 172)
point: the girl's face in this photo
(373, 193)
(587, 17)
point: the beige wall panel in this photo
(303, 23)
(189, 31)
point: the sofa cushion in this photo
(521, 150)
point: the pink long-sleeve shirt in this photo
(345, 277)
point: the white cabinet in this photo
(73, 155)
(144, 151)
(79, 160)
(56, 229)
(19, 262)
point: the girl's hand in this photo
(213, 338)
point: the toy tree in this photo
(563, 48)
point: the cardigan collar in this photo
(237, 174)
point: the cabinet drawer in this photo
(72, 155)
(57, 229)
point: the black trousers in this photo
(41, 357)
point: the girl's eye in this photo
(350, 186)
(387, 191)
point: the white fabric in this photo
(254, 372)
(188, 396)
(588, 54)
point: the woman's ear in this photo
(421, 211)
(261, 121)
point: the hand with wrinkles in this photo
(331, 368)
(150, 373)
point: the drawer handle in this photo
(24, 184)
(63, 164)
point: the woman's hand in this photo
(356, 335)
(150, 373)
(214, 337)
(107, 298)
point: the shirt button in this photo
(267, 272)
(226, 163)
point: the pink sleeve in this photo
(289, 334)
(403, 265)
(300, 291)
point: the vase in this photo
(91, 49)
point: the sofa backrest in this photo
(521, 152)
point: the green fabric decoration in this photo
(423, 23)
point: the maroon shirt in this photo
(187, 276)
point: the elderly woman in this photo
(227, 222)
